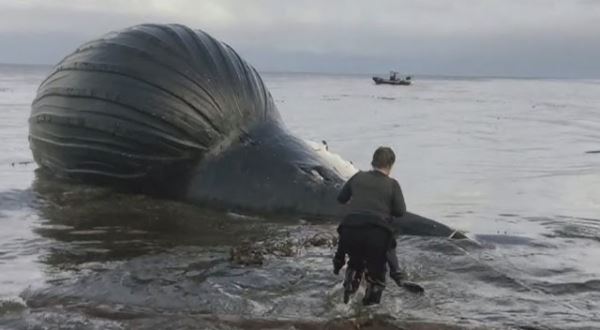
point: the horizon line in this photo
(337, 73)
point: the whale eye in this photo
(317, 175)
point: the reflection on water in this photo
(97, 224)
(506, 160)
(114, 260)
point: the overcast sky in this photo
(549, 38)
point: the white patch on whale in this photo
(342, 166)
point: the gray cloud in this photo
(493, 37)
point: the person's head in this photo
(383, 159)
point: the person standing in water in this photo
(372, 199)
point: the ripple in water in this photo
(511, 162)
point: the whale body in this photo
(164, 109)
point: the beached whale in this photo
(164, 109)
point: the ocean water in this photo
(514, 163)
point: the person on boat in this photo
(372, 198)
(393, 75)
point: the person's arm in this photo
(346, 192)
(398, 204)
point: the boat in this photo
(393, 80)
(404, 82)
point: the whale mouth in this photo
(268, 171)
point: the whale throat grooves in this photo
(147, 102)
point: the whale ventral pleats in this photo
(136, 101)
